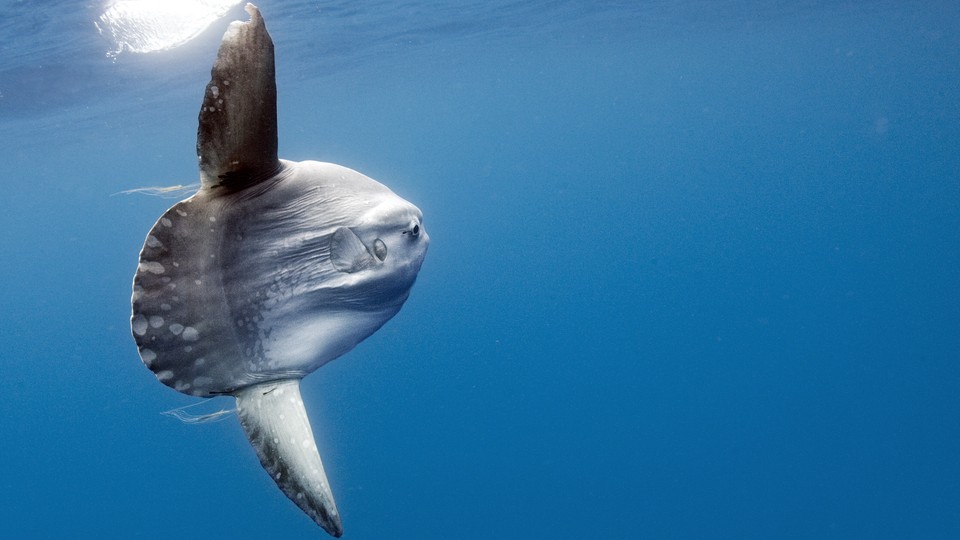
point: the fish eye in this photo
(416, 230)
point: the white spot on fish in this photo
(153, 242)
(199, 362)
(181, 212)
(165, 375)
(202, 381)
(198, 282)
(166, 222)
(152, 266)
(156, 321)
(148, 356)
(139, 324)
(190, 334)
(176, 329)
(165, 307)
(213, 219)
(181, 386)
(215, 91)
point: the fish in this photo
(272, 269)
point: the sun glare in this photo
(142, 26)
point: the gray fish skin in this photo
(272, 269)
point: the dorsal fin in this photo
(237, 135)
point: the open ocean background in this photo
(694, 272)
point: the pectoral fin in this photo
(347, 252)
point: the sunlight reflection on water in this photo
(142, 26)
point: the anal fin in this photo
(276, 423)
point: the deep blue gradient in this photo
(694, 273)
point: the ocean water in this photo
(694, 272)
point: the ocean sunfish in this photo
(271, 270)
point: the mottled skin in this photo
(272, 269)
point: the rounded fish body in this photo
(272, 280)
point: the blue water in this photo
(693, 272)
